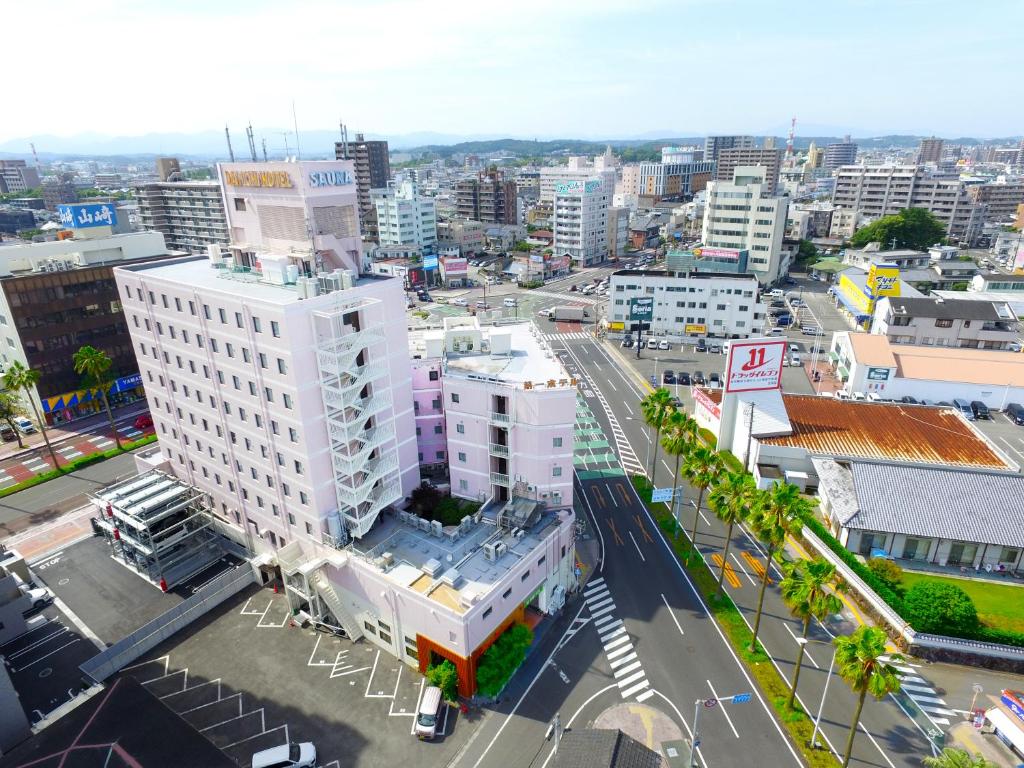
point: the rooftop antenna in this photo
(285, 135)
(252, 142)
(231, 152)
(264, 150)
(789, 141)
(344, 140)
(295, 121)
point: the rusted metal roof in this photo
(912, 434)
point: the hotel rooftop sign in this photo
(278, 179)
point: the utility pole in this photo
(265, 150)
(750, 434)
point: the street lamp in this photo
(977, 690)
(821, 705)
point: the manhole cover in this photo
(46, 672)
(62, 582)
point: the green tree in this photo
(731, 500)
(655, 409)
(28, 234)
(809, 587)
(445, 677)
(915, 228)
(953, 757)
(779, 513)
(940, 608)
(95, 364)
(18, 377)
(702, 468)
(10, 409)
(806, 252)
(859, 663)
(522, 246)
(888, 572)
(502, 659)
(678, 436)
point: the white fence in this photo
(147, 637)
(900, 626)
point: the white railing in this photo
(499, 479)
(498, 450)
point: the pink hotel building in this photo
(280, 384)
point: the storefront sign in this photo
(709, 405)
(717, 254)
(1014, 701)
(754, 365)
(87, 216)
(883, 280)
(694, 329)
(277, 179)
(330, 178)
(454, 266)
(878, 374)
(72, 399)
(641, 310)
(430, 262)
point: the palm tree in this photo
(95, 364)
(952, 757)
(859, 664)
(702, 468)
(655, 409)
(779, 513)
(731, 500)
(10, 408)
(809, 587)
(677, 438)
(18, 376)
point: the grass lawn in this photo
(999, 605)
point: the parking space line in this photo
(412, 731)
(37, 643)
(51, 653)
(194, 688)
(263, 733)
(171, 674)
(165, 659)
(218, 701)
(232, 719)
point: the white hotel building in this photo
(288, 400)
(580, 221)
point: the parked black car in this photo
(981, 410)
(668, 377)
(683, 378)
(702, 345)
(698, 378)
(1014, 412)
(908, 400)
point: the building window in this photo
(462, 456)
(433, 375)
(487, 613)
(256, 325)
(556, 471)
(525, 576)
(239, 203)
(438, 429)
(943, 323)
(282, 367)
(463, 485)
(455, 397)
(506, 593)
(460, 428)
(309, 528)
(542, 559)
(556, 442)
(275, 328)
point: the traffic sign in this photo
(661, 494)
(709, 703)
(741, 698)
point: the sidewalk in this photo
(77, 428)
(41, 540)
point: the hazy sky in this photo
(572, 68)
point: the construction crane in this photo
(34, 155)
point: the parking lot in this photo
(248, 679)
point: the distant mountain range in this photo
(317, 144)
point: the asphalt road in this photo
(889, 737)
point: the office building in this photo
(734, 157)
(618, 232)
(940, 322)
(166, 167)
(576, 169)
(59, 190)
(677, 175)
(189, 214)
(815, 157)
(883, 190)
(930, 151)
(1001, 198)
(839, 154)
(58, 296)
(688, 305)
(580, 219)
(13, 219)
(372, 171)
(744, 215)
(405, 218)
(713, 145)
(490, 197)
(16, 176)
(464, 235)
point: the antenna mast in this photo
(344, 140)
(252, 142)
(231, 152)
(789, 141)
(295, 121)
(264, 150)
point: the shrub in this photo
(886, 570)
(502, 659)
(941, 609)
(445, 677)
(708, 437)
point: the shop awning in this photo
(1009, 727)
(850, 307)
(833, 357)
(844, 373)
(71, 399)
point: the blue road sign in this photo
(661, 494)
(741, 698)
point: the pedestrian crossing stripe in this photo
(577, 335)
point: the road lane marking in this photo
(615, 533)
(757, 566)
(670, 613)
(807, 654)
(594, 583)
(741, 569)
(635, 689)
(725, 710)
(597, 594)
(603, 619)
(600, 603)
(644, 559)
(620, 630)
(602, 612)
(730, 574)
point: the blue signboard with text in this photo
(86, 216)
(430, 262)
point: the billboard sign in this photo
(691, 328)
(754, 365)
(430, 262)
(878, 374)
(717, 254)
(537, 258)
(661, 494)
(258, 178)
(702, 399)
(340, 178)
(452, 266)
(1014, 701)
(569, 188)
(883, 280)
(641, 310)
(87, 216)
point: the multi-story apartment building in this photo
(580, 221)
(189, 214)
(929, 151)
(744, 215)
(735, 157)
(59, 190)
(839, 154)
(1000, 198)
(576, 169)
(372, 164)
(466, 235)
(618, 231)
(428, 407)
(16, 176)
(403, 217)
(882, 190)
(166, 167)
(688, 305)
(713, 145)
(60, 295)
(930, 321)
(490, 198)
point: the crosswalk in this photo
(618, 647)
(575, 336)
(922, 692)
(570, 298)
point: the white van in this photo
(286, 756)
(426, 716)
(510, 302)
(842, 394)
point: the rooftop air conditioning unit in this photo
(490, 551)
(500, 548)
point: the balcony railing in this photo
(498, 450)
(500, 418)
(499, 479)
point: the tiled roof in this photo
(906, 434)
(601, 748)
(981, 507)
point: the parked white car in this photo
(24, 426)
(459, 302)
